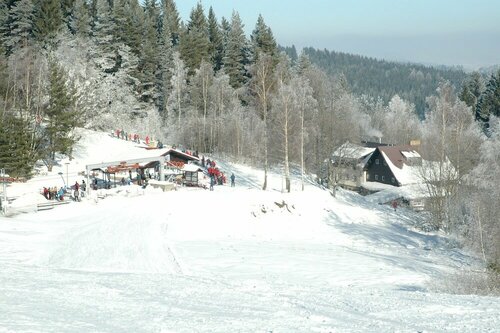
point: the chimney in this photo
(415, 144)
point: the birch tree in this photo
(177, 97)
(306, 105)
(262, 84)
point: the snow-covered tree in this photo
(21, 25)
(177, 97)
(401, 123)
(103, 33)
(222, 103)
(48, 22)
(439, 129)
(236, 56)
(80, 19)
(200, 100)
(261, 85)
(306, 107)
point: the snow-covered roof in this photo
(406, 174)
(191, 168)
(352, 151)
(417, 174)
(410, 154)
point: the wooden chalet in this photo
(394, 165)
(347, 163)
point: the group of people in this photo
(121, 134)
(52, 193)
(217, 177)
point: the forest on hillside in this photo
(204, 85)
(384, 79)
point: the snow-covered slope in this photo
(230, 260)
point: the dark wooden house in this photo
(393, 165)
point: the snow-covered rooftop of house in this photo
(406, 174)
(352, 151)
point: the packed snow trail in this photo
(232, 259)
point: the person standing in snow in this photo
(83, 188)
(232, 179)
(212, 182)
(394, 204)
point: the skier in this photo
(232, 179)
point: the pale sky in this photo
(450, 32)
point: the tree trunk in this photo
(302, 148)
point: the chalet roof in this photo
(352, 151)
(406, 174)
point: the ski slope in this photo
(228, 260)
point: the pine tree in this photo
(290, 51)
(236, 55)
(21, 16)
(489, 101)
(129, 18)
(103, 32)
(61, 115)
(48, 21)
(67, 11)
(216, 50)
(16, 153)
(165, 56)
(148, 63)
(171, 17)
(195, 43)
(4, 25)
(303, 63)
(262, 39)
(80, 19)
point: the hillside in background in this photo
(384, 79)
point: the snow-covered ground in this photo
(228, 260)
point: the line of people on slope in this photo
(121, 134)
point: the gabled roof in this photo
(398, 154)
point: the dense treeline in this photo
(203, 84)
(384, 79)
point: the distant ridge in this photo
(381, 78)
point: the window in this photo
(376, 177)
(383, 178)
(377, 161)
(393, 180)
